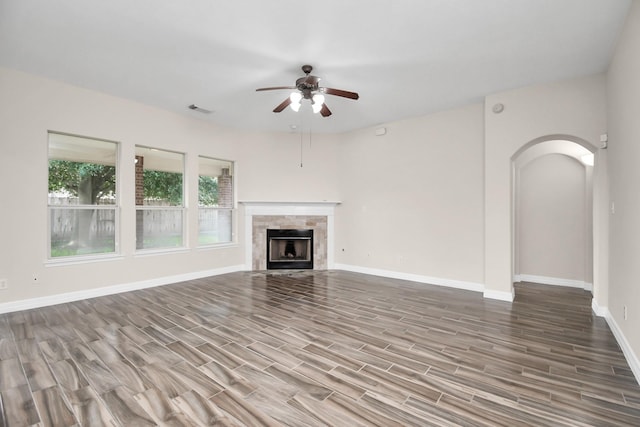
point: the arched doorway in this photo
(553, 212)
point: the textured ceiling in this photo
(405, 57)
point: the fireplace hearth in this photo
(289, 249)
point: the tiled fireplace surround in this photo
(318, 216)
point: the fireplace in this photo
(261, 216)
(289, 249)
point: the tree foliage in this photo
(166, 186)
(74, 178)
(207, 191)
(71, 177)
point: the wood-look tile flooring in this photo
(314, 349)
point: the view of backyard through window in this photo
(215, 201)
(84, 207)
(82, 196)
(159, 198)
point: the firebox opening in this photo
(289, 249)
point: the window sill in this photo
(56, 262)
(217, 246)
(164, 251)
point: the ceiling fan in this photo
(308, 88)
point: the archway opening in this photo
(552, 213)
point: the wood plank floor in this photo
(315, 349)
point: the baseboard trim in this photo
(458, 284)
(27, 304)
(554, 281)
(632, 358)
(438, 281)
(498, 295)
(599, 311)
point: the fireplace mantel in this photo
(288, 208)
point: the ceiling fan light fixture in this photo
(295, 98)
(308, 88)
(318, 100)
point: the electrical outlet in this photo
(3, 283)
(625, 312)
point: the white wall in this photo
(271, 167)
(572, 109)
(623, 116)
(413, 198)
(30, 106)
(552, 218)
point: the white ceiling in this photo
(405, 57)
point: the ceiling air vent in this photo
(200, 109)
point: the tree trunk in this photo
(85, 216)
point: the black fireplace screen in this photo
(289, 249)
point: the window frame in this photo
(232, 209)
(115, 207)
(182, 208)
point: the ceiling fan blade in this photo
(275, 88)
(325, 112)
(339, 92)
(282, 105)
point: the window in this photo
(159, 199)
(83, 207)
(215, 201)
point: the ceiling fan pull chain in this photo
(301, 136)
(310, 124)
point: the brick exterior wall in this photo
(139, 180)
(139, 202)
(225, 189)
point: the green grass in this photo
(66, 250)
(159, 242)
